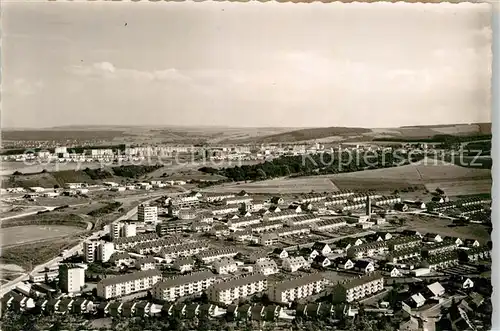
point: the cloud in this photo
(110, 71)
(23, 87)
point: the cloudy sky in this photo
(371, 65)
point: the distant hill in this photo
(311, 134)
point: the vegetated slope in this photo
(90, 176)
(313, 133)
(422, 171)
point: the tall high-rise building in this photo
(90, 250)
(104, 251)
(120, 229)
(115, 229)
(368, 206)
(147, 214)
(95, 250)
(71, 278)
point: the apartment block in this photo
(127, 284)
(178, 287)
(157, 245)
(404, 242)
(96, 250)
(71, 278)
(229, 291)
(295, 289)
(147, 214)
(358, 288)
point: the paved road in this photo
(12, 284)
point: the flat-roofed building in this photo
(178, 287)
(296, 289)
(127, 284)
(358, 288)
(229, 291)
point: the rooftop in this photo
(241, 281)
(130, 277)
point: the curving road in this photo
(96, 235)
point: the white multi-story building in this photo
(225, 266)
(120, 230)
(266, 267)
(90, 250)
(329, 225)
(178, 287)
(295, 289)
(236, 288)
(217, 197)
(145, 263)
(293, 264)
(147, 214)
(358, 288)
(127, 284)
(71, 278)
(104, 251)
(303, 220)
(159, 244)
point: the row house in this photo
(220, 230)
(17, 302)
(185, 250)
(403, 242)
(157, 245)
(127, 284)
(204, 217)
(208, 197)
(266, 226)
(321, 262)
(289, 291)
(471, 243)
(438, 248)
(124, 243)
(403, 254)
(315, 311)
(280, 216)
(225, 266)
(386, 200)
(474, 201)
(364, 266)
(342, 194)
(441, 206)
(442, 261)
(292, 264)
(280, 253)
(474, 254)
(238, 200)
(231, 290)
(293, 231)
(302, 220)
(329, 225)
(191, 310)
(243, 222)
(266, 267)
(363, 196)
(367, 250)
(220, 211)
(313, 197)
(469, 210)
(212, 255)
(432, 237)
(255, 312)
(353, 206)
(358, 288)
(181, 286)
(335, 201)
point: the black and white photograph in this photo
(245, 166)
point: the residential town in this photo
(272, 259)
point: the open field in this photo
(29, 233)
(440, 226)
(32, 254)
(280, 185)
(460, 187)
